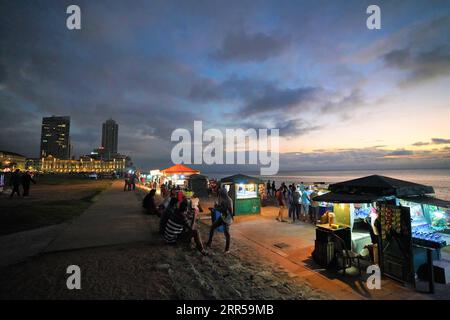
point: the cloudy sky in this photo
(343, 96)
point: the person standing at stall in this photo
(274, 189)
(305, 204)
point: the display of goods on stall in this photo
(361, 212)
(390, 220)
(426, 237)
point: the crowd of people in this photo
(130, 181)
(297, 200)
(179, 214)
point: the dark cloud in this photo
(275, 100)
(440, 141)
(401, 152)
(295, 128)
(242, 46)
(420, 144)
(422, 66)
(433, 141)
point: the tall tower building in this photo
(55, 140)
(110, 133)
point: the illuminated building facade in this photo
(10, 161)
(83, 165)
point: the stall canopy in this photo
(346, 198)
(179, 169)
(380, 186)
(241, 178)
(428, 200)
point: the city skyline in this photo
(343, 96)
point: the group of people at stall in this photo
(178, 215)
(298, 201)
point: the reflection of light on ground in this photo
(147, 189)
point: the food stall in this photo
(351, 214)
(198, 184)
(411, 222)
(178, 174)
(244, 190)
(430, 231)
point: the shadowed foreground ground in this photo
(153, 271)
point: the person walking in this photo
(15, 182)
(134, 177)
(26, 181)
(281, 204)
(127, 185)
(225, 206)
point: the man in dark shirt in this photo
(26, 181)
(15, 182)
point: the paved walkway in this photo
(115, 218)
(20, 246)
(291, 245)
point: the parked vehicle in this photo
(93, 176)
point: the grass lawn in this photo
(49, 207)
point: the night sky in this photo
(342, 96)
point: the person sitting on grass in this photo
(167, 213)
(149, 203)
(178, 226)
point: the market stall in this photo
(244, 190)
(178, 174)
(410, 221)
(198, 184)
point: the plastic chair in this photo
(347, 256)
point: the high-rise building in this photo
(110, 133)
(55, 137)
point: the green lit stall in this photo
(244, 190)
